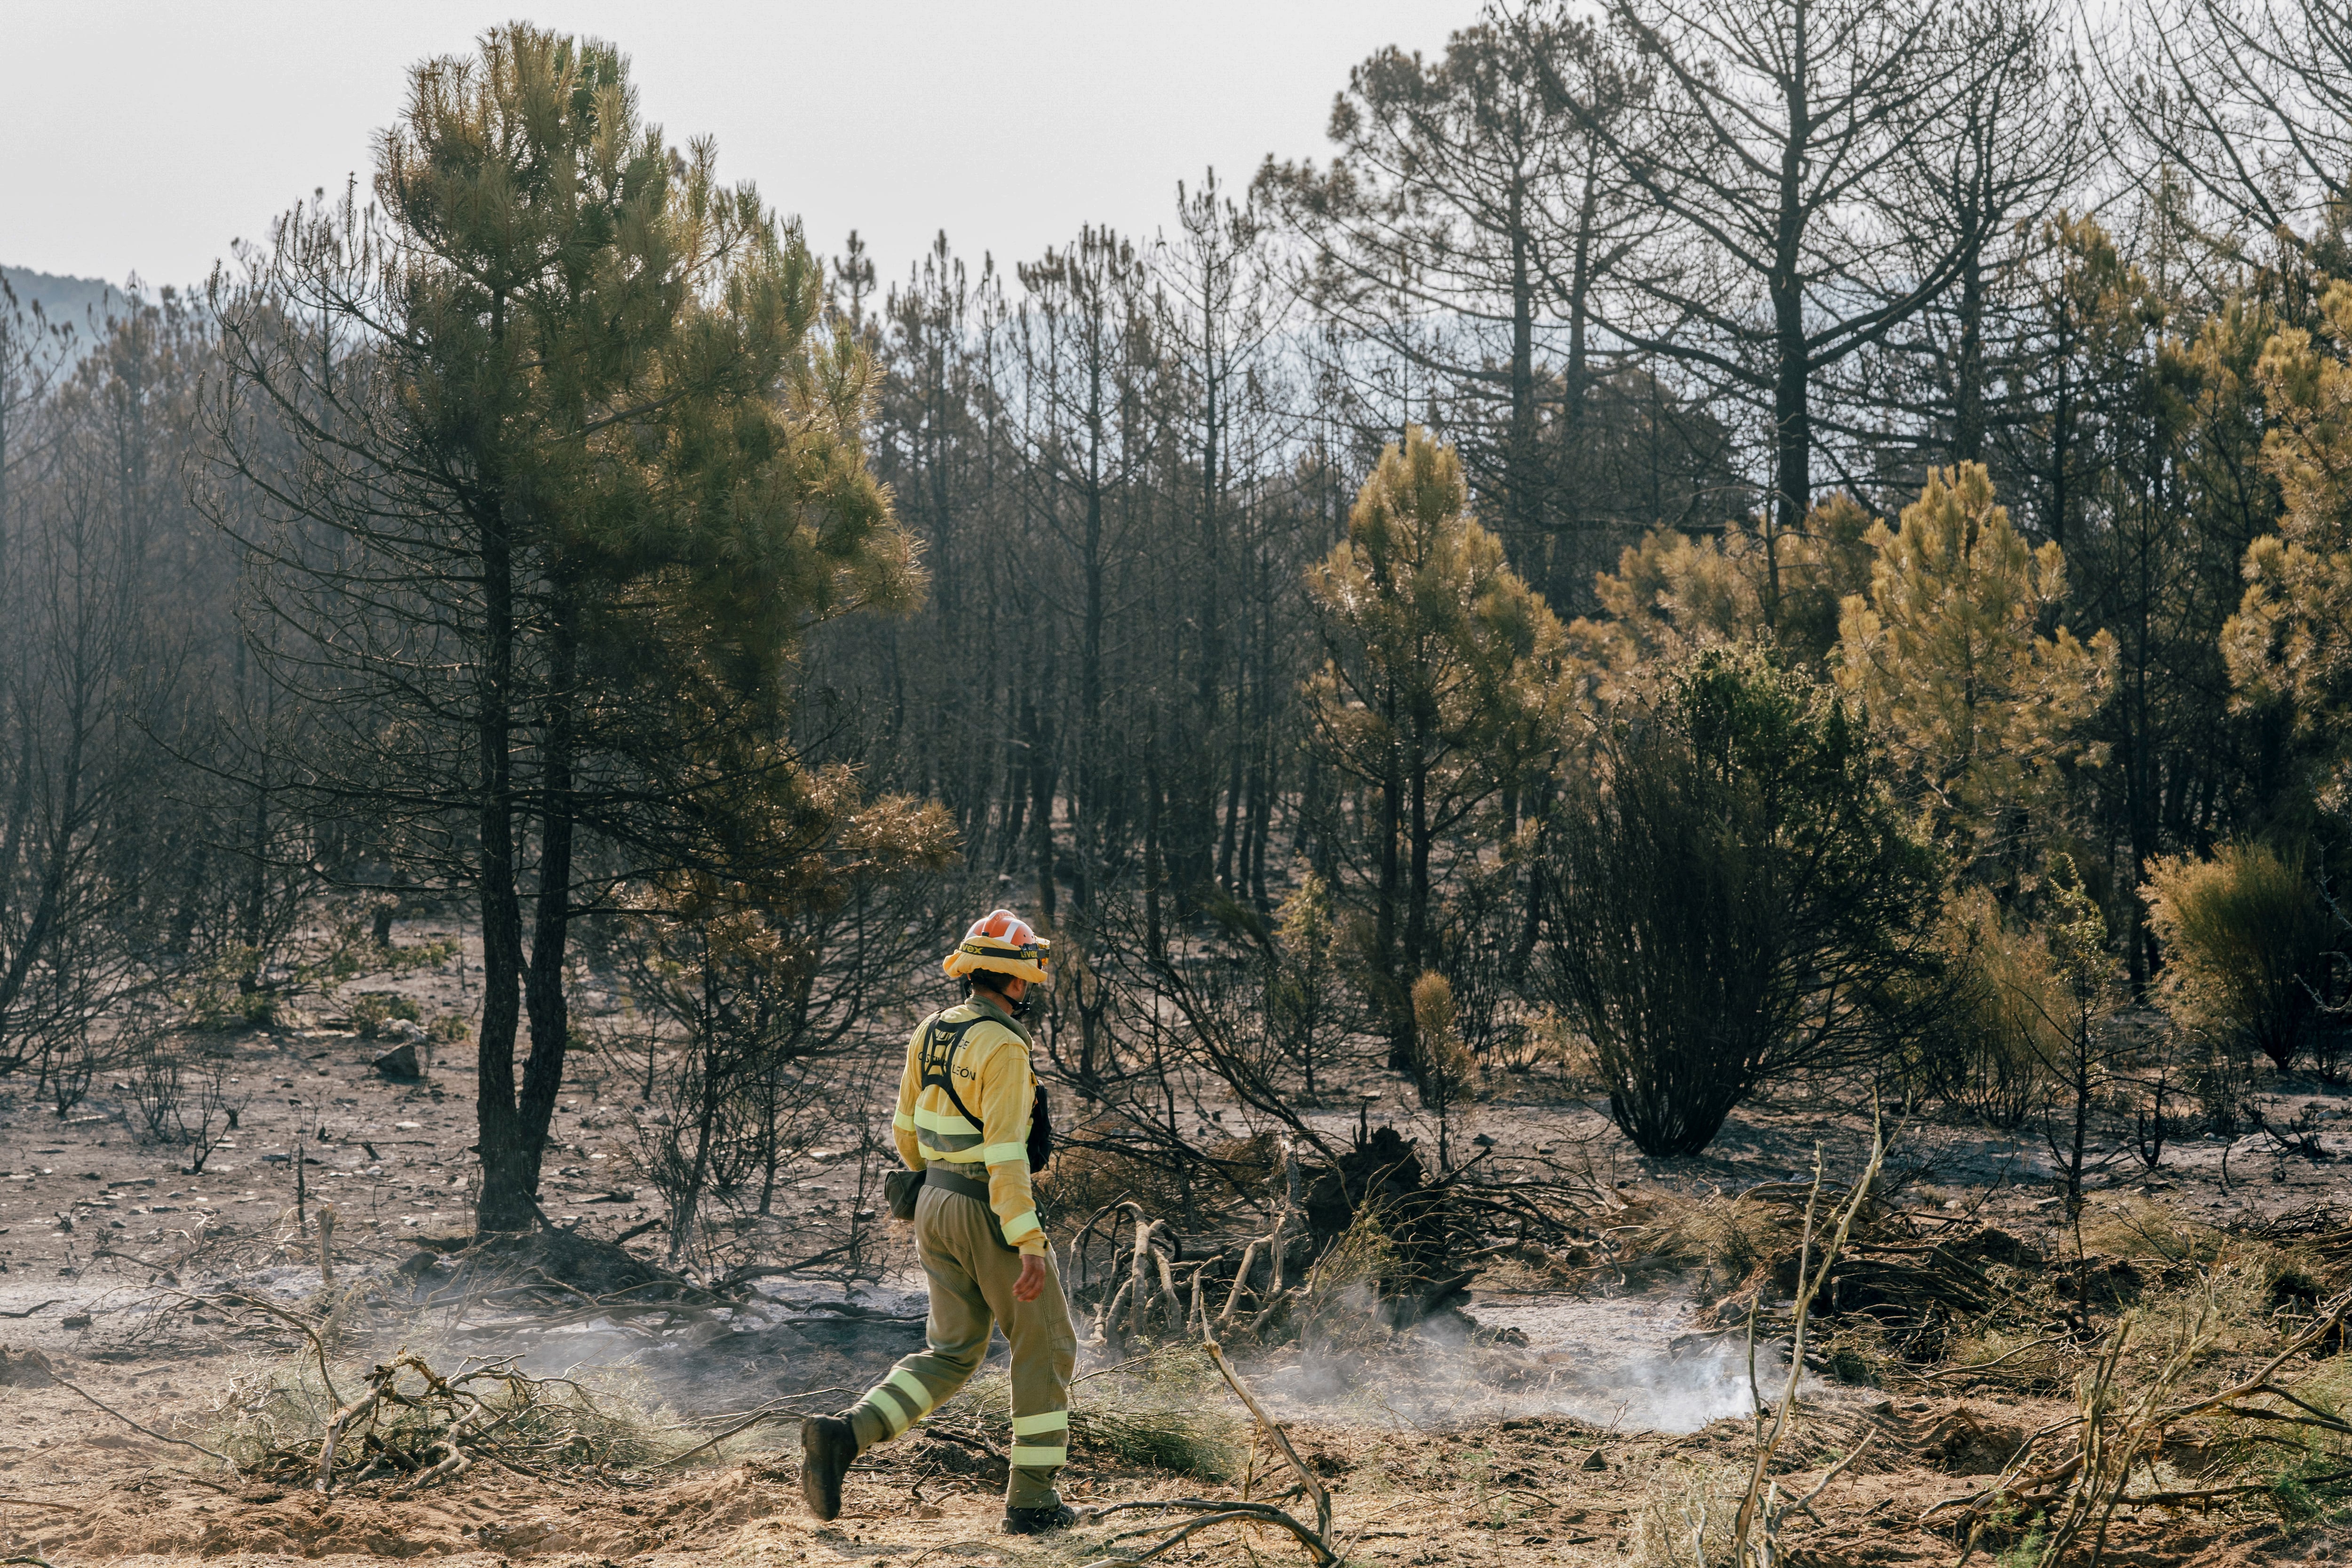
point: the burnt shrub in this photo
(1735, 895)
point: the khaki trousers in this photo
(971, 1273)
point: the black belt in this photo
(933, 1176)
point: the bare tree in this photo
(1951, 374)
(1083, 344)
(1218, 307)
(95, 624)
(2251, 99)
(1469, 227)
(33, 349)
(1775, 141)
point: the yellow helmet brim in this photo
(975, 953)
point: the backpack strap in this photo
(937, 1061)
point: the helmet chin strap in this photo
(1018, 1009)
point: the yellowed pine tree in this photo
(2291, 641)
(1675, 592)
(1982, 714)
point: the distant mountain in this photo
(81, 303)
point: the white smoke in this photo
(1630, 1363)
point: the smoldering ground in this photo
(1630, 1363)
(1626, 1363)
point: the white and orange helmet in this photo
(1002, 940)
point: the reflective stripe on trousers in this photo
(971, 1275)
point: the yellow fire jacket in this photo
(993, 1078)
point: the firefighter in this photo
(967, 1105)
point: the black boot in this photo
(828, 1444)
(1037, 1521)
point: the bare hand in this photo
(1031, 1283)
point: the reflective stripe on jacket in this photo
(994, 1079)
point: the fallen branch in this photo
(1804, 1504)
(750, 1271)
(234, 1298)
(1976, 1366)
(342, 1419)
(2209, 1494)
(440, 1426)
(1273, 1429)
(143, 1431)
(1210, 1513)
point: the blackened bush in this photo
(1734, 895)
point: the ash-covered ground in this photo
(115, 1257)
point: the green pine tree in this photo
(565, 469)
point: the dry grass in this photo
(1337, 1310)
(2020, 1360)
(1724, 1240)
(1164, 1411)
(2149, 1229)
(1685, 1515)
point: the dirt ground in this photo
(1529, 1491)
(103, 1239)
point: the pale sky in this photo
(148, 134)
